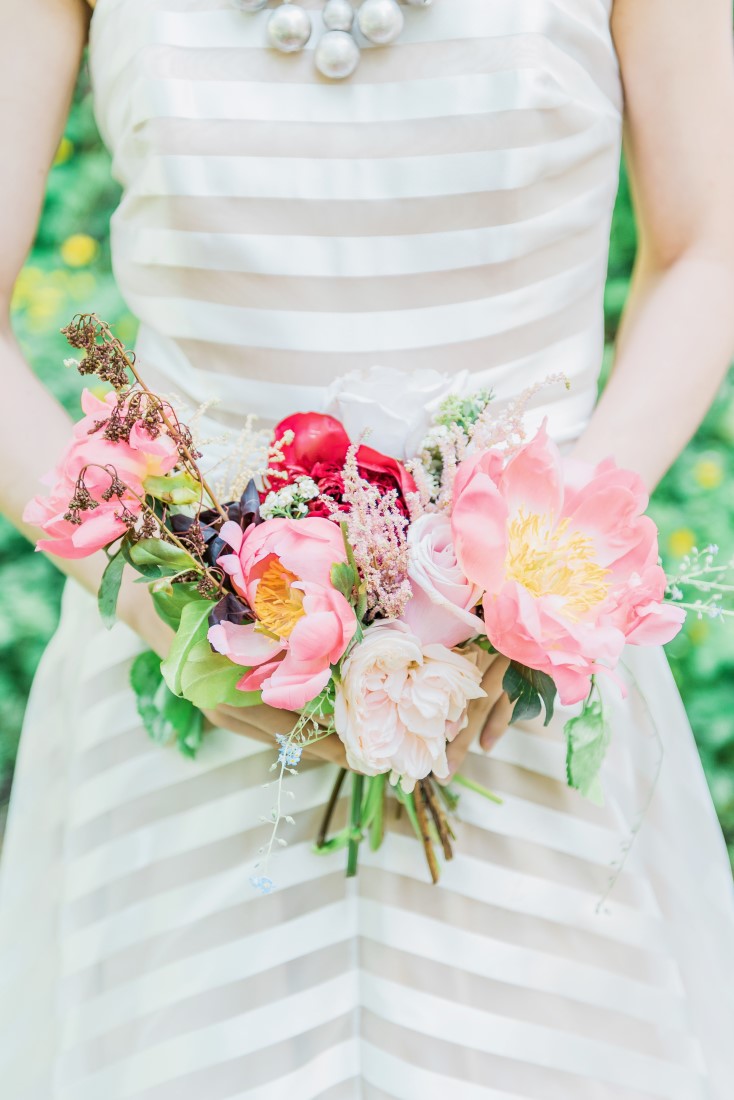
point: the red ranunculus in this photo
(319, 450)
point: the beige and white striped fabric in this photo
(449, 206)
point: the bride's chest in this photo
(497, 74)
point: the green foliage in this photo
(166, 716)
(65, 275)
(109, 588)
(530, 691)
(587, 740)
(193, 670)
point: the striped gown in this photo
(448, 207)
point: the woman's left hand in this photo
(498, 710)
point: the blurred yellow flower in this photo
(698, 631)
(681, 542)
(79, 250)
(64, 151)
(709, 473)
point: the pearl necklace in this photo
(337, 52)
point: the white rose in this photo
(395, 407)
(441, 608)
(398, 703)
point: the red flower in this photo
(319, 450)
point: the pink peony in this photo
(398, 703)
(566, 558)
(283, 569)
(134, 461)
(441, 608)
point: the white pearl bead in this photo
(250, 5)
(338, 15)
(289, 28)
(380, 21)
(336, 55)
(419, 3)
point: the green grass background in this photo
(68, 271)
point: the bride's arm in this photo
(41, 43)
(677, 334)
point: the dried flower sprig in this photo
(107, 357)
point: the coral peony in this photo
(441, 608)
(566, 558)
(135, 460)
(398, 703)
(283, 569)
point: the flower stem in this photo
(420, 809)
(477, 787)
(439, 818)
(356, 823)
(330, 807)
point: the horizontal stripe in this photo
(371, 257)
(373, 331)
(415, 1062)
(354, 294)
(354, 217)
(382, 179)
(380, 925)
(544, 1046)
(246, 1032)
(174, 909)
(447, 97)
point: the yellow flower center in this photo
(278, 606)
(549, 560)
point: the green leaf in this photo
(209, 680)
(165, 716)
(192, 628)
(587, 739)
(170, 599)
(179, 488)
(109, 588)
(530, 691)
(323, 705)
(345, 579)
(335, 843)
(170, 559)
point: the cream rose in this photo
(394, 407)
(398, 703)
(441, 608)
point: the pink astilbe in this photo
(421, 501)
(376, 529)
(506, 429)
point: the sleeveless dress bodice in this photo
(448, 206)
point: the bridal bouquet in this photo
(355, 588)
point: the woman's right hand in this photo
(262, 723)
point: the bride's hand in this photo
(261, 723)
(498, 710)
(240, 720)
